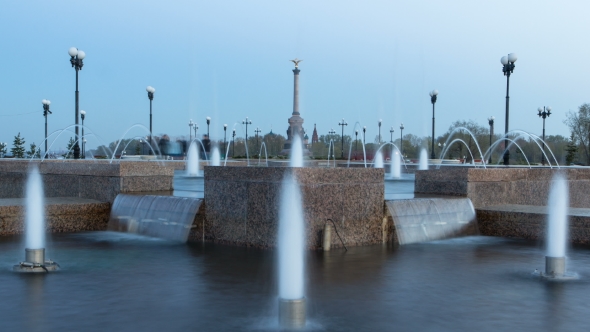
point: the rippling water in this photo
(119, 282)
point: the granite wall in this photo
(93, 179)
(243, 204)
(500, 186)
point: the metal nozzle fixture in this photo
(35, 262)
(292, 313)
(554, 266)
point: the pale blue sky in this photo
(362, 61)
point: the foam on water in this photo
(35, 211)
(291, 241)
(557, 220)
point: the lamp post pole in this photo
(195, 128)
(190, 130)
(364, 139)
(46, 112)
(150, 90)
(507, 68)
(83, 152)
(257, 131)
(342, 124)
(224, 139)
(76, 57)
(331, 133)
(356, 143)
(246, 122)
(208, 122)
(544, 113)
(491, 122)
(433, 95)
(233, 152)
(391, 134)
(401, 136)
(380, 131)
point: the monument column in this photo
(296, 90)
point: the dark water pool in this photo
(118, 282)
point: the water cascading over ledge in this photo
(166, 217)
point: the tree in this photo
(571, 150)
(34, 152)
(70, 147)
(2, 150)
(18, 147)
(579, 124)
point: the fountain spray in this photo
(291, 249)
(35, 228)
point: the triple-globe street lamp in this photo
(433, 95)
(76, 57)
(391, 134)
(544, 113)
(83, 152)
(342, 124)
(46, 112)
(150, 91)
(507, 68)
(401, 136)
(491, 122)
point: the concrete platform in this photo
(530, 222)
(62, 214)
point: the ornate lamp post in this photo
(246, 122)
(364, 136)
(82, 116)
(401, 136)
(224, 136)
(433, 95)
(342, 124)
(76, 57)
(195, 128)
(391, 134)
(544, 113)
(507, 68)
(150, 90)
(190, 130)
(356, 143)
(257, 131)
(233, 144)
(380, 131)
(46, 112)
(208, 122)
(491, 122)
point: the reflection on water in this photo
(114, 281)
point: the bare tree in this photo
(579, 124)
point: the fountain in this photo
(291, 248)
(395, 165)
(557, 224)
(35, 228)
(192, 162)
(378, 163)
(423, 165)
(215, 157)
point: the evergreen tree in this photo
(571, 150)
(18, 147)
(70, 148)
(34, 152)
(2, 150)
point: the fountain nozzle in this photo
(35, 262)
(292, 313)
(555, 266)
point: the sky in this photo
(362, 61)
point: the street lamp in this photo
(233, 144)
(342, 124)
(195, 127)
(224, 136)
(491, 122)
(380, 131)
(190, 130)
(76, 57)
(150, 90)
(257, 131)
(246, 122)
(391, 134)
(364, 136)
(82, 116)
(507, 68)
(401, 136)
(442, 147)
(46, 112)
(544, 113)
(433, 95)
(356, 143)
(208, 122)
